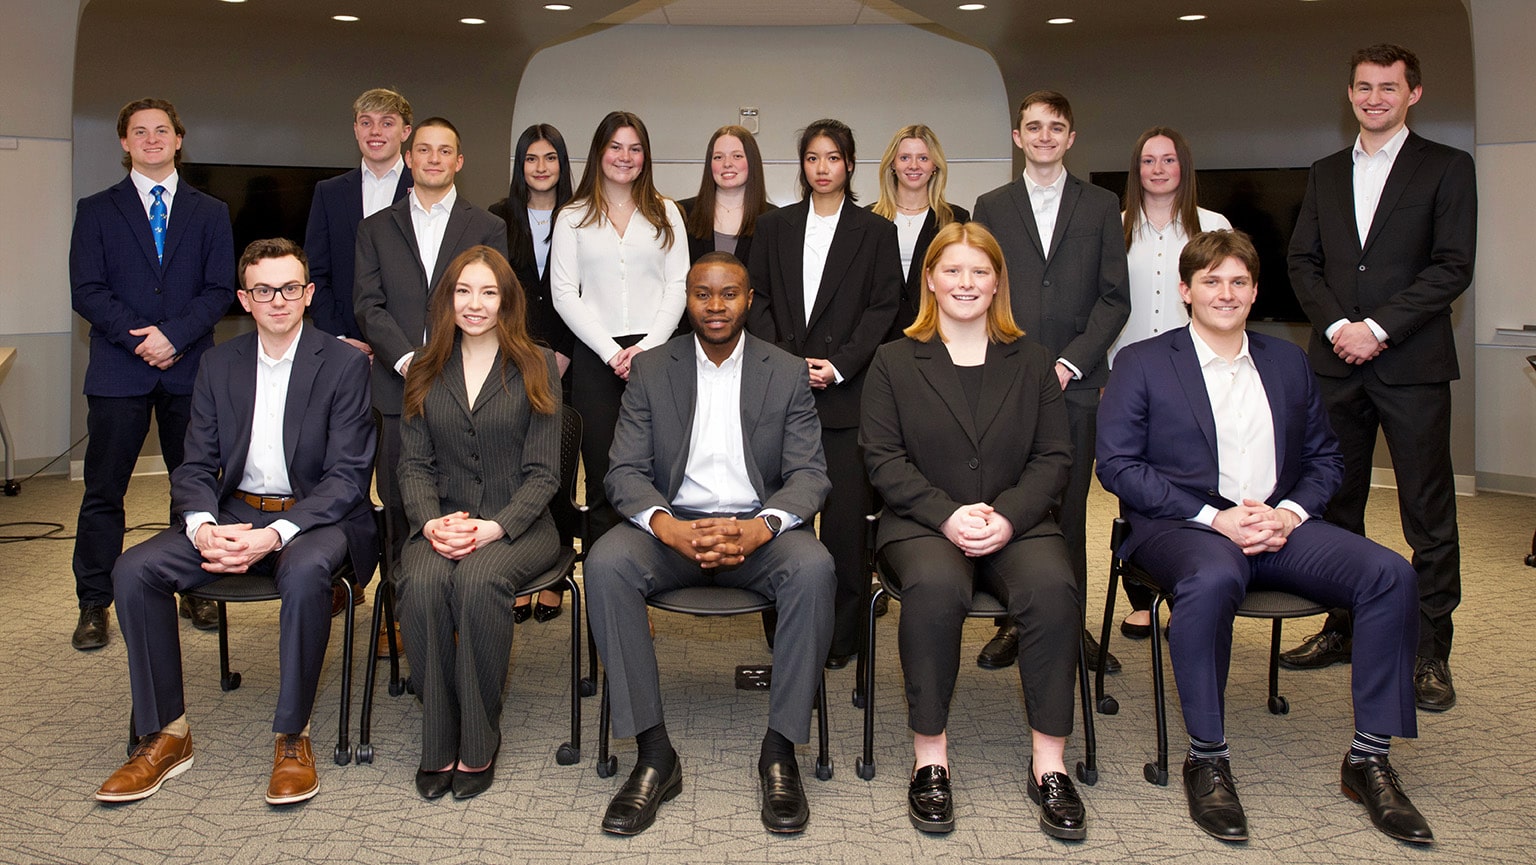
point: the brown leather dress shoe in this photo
(293, 771)
(203, 613)
(159, 756)
(339, 598)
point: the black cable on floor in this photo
(53, 529)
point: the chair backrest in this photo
(570, 517)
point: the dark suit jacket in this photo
(855, 304)
(498, 461)
(1157, 434)
(117, 284)
(779, 428)
(1416, 260)
(928, 454)
(912, 291)
(389, 295)
(328, 438)
(1075, 298)
(544, 324)
(330, 241)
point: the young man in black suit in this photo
(1065, 251)
(1383, 245)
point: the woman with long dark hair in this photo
(480, 453)
(732, 195)
(913, 173)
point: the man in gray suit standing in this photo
(717, 466)
(401, 254)
(1065, 251)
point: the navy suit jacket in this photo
(328, 438)
(1157, 434)
(118, 285)
(330, 241)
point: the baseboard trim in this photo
(1466, 485)
(151, 465)
(1519, 485)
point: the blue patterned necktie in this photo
(157, 214)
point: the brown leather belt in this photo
(266, 504)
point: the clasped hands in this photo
(154, 349)
(1256, 527)
(977, 529)
(620, 362)
(712, 542)
(454, 536)
(1356, 343)
(232, 549)
(823, 375)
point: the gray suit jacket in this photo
(390, 291)
(1074, 298)
(779, 427)
(498, 461)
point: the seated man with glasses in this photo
(275, 481)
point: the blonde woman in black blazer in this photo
(480, 443)
(971, 460)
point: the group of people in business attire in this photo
(743, 370)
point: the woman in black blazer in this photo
(913, 172)
(850, 256)
(480, 452)
(965, 436)
(732, 195)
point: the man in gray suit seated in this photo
(717, 465)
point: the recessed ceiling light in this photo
(971, 7)
(1060, 20)
(346, 18)
(1191, 17)
(471, 20)
(558, 7)
(234, 1)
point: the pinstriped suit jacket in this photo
(498, 460)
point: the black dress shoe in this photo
(882, 606)
(91, 630)
(1319, 650)
(785, 810)
(433, 785)
(633, 809)
(468, 785)
(1135, 632)
(203, 613)
(543, 612)
(1061, 810)
(1213, 803)
(1091, 651)
(1432, 688)
(1000, 651)
(930, 805)
(837, 662)
(1375, 785)
(522, 614)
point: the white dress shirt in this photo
(266, 462)
(606, 286)
(1370, 178)
(1046, 202)
(1153, 259)
(1245, 429)
(144, 185)
(430, 225)
(715, 479)
(818, 240)
(379, 192)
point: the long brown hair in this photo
(1185, 208)
(589, 193)
(1001, 327)
(701, 219)
(511, 336)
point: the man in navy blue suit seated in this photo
(1216, 441)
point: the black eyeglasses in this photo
(265, 293)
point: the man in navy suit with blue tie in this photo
(151, 263)
(1217, 444)
(381, 121)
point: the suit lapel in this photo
(188, 200)
(401, 214)
(242, 398)
(1403, 168)
(1186, 368)
(1018, 191)
(1274, 393)
(756, 376)
(938, 370)
(403, 185)
(998, 378)
(924, 239)
(126, 197)
(352, 193)
(684, 387)
(792, 264)
(301, 382)
(453, 377)
(1343, 184)
(840, 254)
(1071, 191)
(453, 234)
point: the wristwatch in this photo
(774, 523)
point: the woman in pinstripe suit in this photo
(480, 449)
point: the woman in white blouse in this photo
(1160, 217)
(618, 261)
(913, 172)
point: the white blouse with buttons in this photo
(1154, 270)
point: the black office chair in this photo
(983, 606)
(709, 601)
(1273, 605)
(561, 573)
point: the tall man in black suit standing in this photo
(150, 267)
(1063, 244)
(1384, 244)
(401, 255)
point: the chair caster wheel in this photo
(864, 770)
(824, 770)
(364, 754)
(1279, 706)
(1155, 775)
(229, 682)
(408, 685)
(858, 699)
(342, 755)
(396, 688)
(567, 755)
(588, 687)
(606, 768)
(1086, 775)
(1109, 705)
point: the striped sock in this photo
(1367, 745)
(1217, 750)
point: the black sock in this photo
(654, 749)
(776, 749)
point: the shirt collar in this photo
(707, 365)
(144, 184)
(1205, 354)
(829, 220)
(446, 205)
(1390, 149)
(289, 355)
(394, 170)
(1057, 184)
